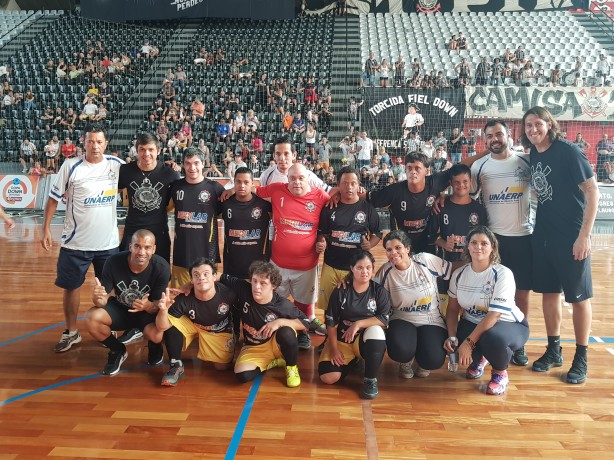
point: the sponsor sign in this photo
(565, 104)
(18, 191)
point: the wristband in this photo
(470, 342)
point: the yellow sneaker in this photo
(277, 362)
(293, 379)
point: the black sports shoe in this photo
(130, 336)
(552, 358)
(304, 342)
(579, 369)
(155, 354)
(369, 388)
(114, 363)
(520, 358)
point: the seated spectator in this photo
(38, 170)
(74, 72)
(427, 147)
(384, 157)
(181, 79)
(257, 144)
(287, 122)
(555, 76)
(453, 45)
(235, 164)
(252, 121)
(89, 110)
(168, 93)
(169, 77)
(254, 165)
(239, 123)
(219, 55)
(298, 125)
(439, 162)
(213, 171)
(241, 149)
(162, 132)
(101, 113)
(197, 109)
(186, 129)
(29, 101)
(441, 81)
(311, 94)
(245, 68)
(61, 70)
(398, 170)
(461, 42)
(223, 129)
(68, 149)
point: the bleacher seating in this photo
(488, 34)
(12, 23)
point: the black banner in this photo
(385, 108)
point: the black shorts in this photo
(555, 270)
(73, 265)
(123, 320)
(516, 254)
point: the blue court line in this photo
(49, 387)
(590, 340)
(38, 331)
(247, 409)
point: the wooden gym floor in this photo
(58, 405)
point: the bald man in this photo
(296, 215)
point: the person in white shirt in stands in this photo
(603, 70)
(364, 146)
(90, 234)
(89, 109)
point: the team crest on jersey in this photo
(430, 201)
(230, 345)
(310, 206)
(270, 317)
(473, 219)
(204, 196)
(487, 289)
(112, 175)
(222, 309)
(594, 104)
(128, 294)
(360, 217)
(539, 181)
(371, 305)
(256, 213)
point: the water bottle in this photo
(453, 357)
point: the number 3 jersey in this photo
(254, 315)
(213, 315)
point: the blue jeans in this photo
(456, 157)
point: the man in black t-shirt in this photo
(411, 201)
(351, 226)
(147, 182)
(127, 296)
(246, 226)
(269, 322)
(204, 314)
(196, 201)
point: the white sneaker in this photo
(422, 373)
(406, 371)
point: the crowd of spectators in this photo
(230, 123)
(511, 68)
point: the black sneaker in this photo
(369, 388)
(304, 342)
(155, 354)
(130, 336)
(551, 358)
(520, 358)
(114, 363)
(579, 369)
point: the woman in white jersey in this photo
(491, 326)
(417, 328)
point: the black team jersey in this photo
(148, 195)
(411, 211)
(213, 315)
(254, 315)
(344, 227)
(456, 219)
(246, 234)
(346, 306)
(196, 210)
(129, 286)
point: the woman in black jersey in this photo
(356, 317)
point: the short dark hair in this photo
(191, 152)
(458, 169)
(267, 269)
(95, 128)
(283, 139)
(398, 235)
(142, 233)
(412, 157)
(495, 122)
(346, 170)
(203, 261)
(356, 257)
(244, 170)
(146, 138)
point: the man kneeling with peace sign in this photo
(127, 296)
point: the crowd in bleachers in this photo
(78, 71)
